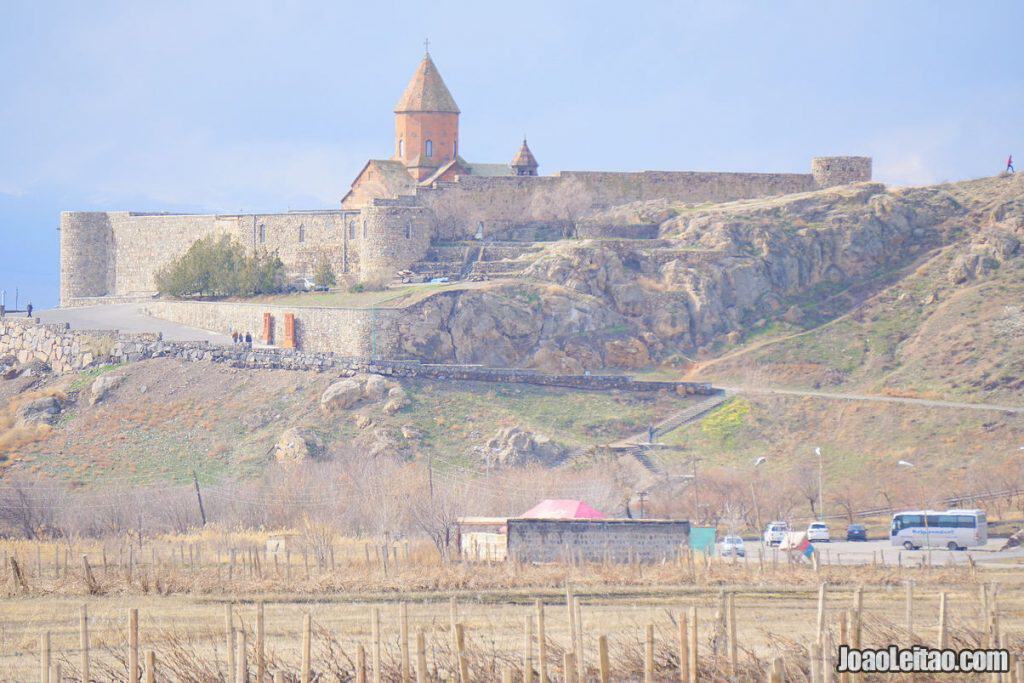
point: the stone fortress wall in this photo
(501, 200)
(68, 350)
(117, 254)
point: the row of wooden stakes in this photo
(572, 668)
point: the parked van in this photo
(775, 533)
(952, 529)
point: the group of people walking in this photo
(239, 338)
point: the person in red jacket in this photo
(1009, 164)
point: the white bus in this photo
(952, 529)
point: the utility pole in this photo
(430, 478)
(199, 497)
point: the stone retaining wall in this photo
(346, 331)
(67, 350)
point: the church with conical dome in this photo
(426, 145)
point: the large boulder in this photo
(375, 387)
(9, 367)
(44, 410)
(297, 444)
(342, 395)
(515, 446)
(101, 386)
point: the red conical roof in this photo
(426, 91)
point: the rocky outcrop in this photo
(43, 410)
(713, 273)
(349, 392)
(515, 446)
(101, 386)
(298, 444)
(341, 395)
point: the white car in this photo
(775, 533)
(732, 545)
(818, 531)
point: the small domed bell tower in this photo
(524, 163)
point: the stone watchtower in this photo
(426, 123)
(524, 163)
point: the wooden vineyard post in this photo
(778, 667)
(684, 655)
(360, 664)
(573, 646)
(83, 642)
(858, 617)
(910, 612)
(44, 657)
(307, 637)
(421, 657)
(528, 650)
(943, 618)
(569, 668)
(460, 653)
(150, 666)
(403, 625)
(506, 674)
(733, 651)
(815, 650)
(133, 645)
(542, 646)
(56, 675)
(375, 636)
(261, 663)
(240, 659)
(693, 645)
(229, 630)
(602, 657)
(649, 654)
(844, 638)
(581, 667)
(821, 611)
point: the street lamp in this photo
(821, 478)
(757, 510)
(924, 512)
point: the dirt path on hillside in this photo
(931, 403)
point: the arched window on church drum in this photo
(401, 147)
(429, 148)
(302, 233)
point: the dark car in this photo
(856, 532)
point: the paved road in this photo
(873, 397)
(847, 552)
(127, 318)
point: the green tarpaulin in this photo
(702, 538)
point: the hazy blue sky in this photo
(221, 106)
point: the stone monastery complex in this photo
(397, 209)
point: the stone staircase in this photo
(472, 261)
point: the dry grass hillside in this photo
(952, 327)
(164, 418)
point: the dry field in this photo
(183, 609)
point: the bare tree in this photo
(565, 201)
